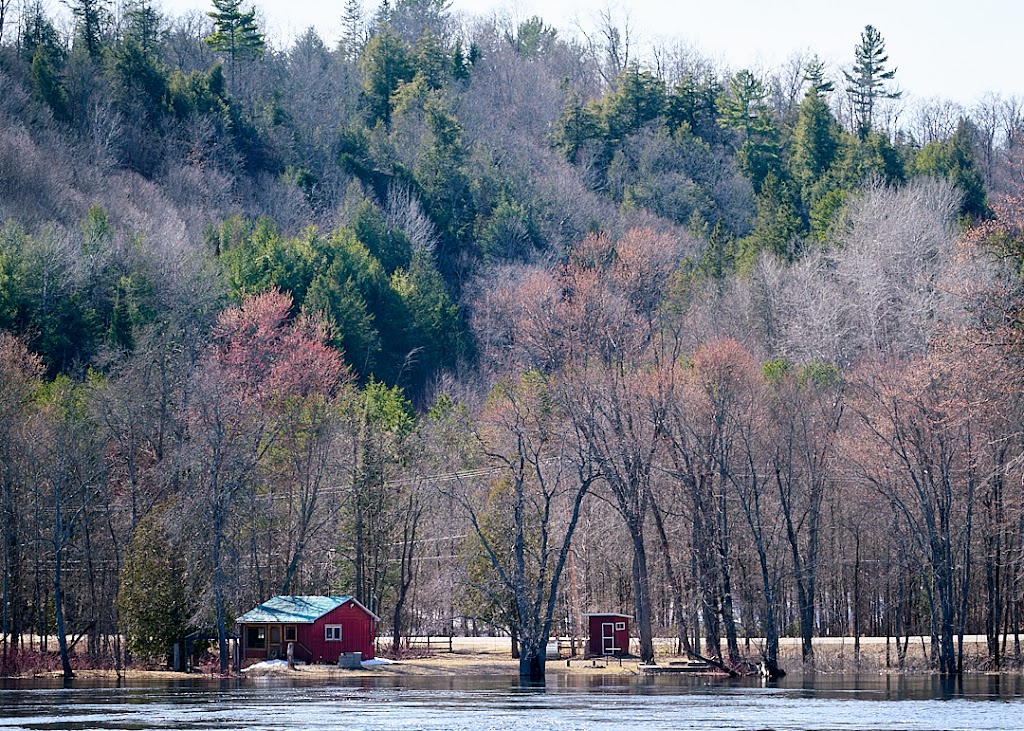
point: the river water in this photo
(577, 703)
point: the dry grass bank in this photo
(482, 656)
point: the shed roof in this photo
(608, 614)
(296, 609)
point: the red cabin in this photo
(322, 628)
(609, 634)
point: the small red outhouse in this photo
(322, 628)
(609, 634)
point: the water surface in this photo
(575, 702)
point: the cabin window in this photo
(620, 626)
(256, 638)
(332, 633)
(289, 633)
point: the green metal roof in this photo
(292, 609)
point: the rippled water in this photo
(480, 704)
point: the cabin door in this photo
(608, 638)
(274, 650)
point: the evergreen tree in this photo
(740, 107)
(441, 174)
(120, 334)
(47, 84)
(743, 109)
(138, 78)
(386, 66)
(964, 171)
(816, 137)
(388, 245)
(638, 98)
(693, 105)
(825, 208)
(867, 84)
(335, 295)
(871, 157)
(434, 327)
(151, 597)
(508, 234)
(460, 63)
(91, 17)
(719, 258)
(143, 23)
(432, 61)
(954, 159)
(38, 31)
(777, 227)
(532, 37)
(353, 33)
(235, 33)
(814, 75)
(577, 124)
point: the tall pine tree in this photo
(868, 82)
(235, 33)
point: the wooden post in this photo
(291, 655)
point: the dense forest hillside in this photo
(488, 327)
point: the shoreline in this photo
(488, 656)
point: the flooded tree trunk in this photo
(11, 590)
(706, 566)
(694, 608)
(531, 665)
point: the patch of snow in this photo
(377, 661)
(267, 665)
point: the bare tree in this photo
(308, 442)
(610, 44)
(935, 120)
(5, 6)
(70, 471)
(807, 406)
(921, 418)
(541, 462)
(19, 373)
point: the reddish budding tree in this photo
(271, 355)
(924, 441)
(619, 386)
(592, 327)
(260, 362)
(705, 442)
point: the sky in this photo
(954, 49)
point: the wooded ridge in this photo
(490, 327)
